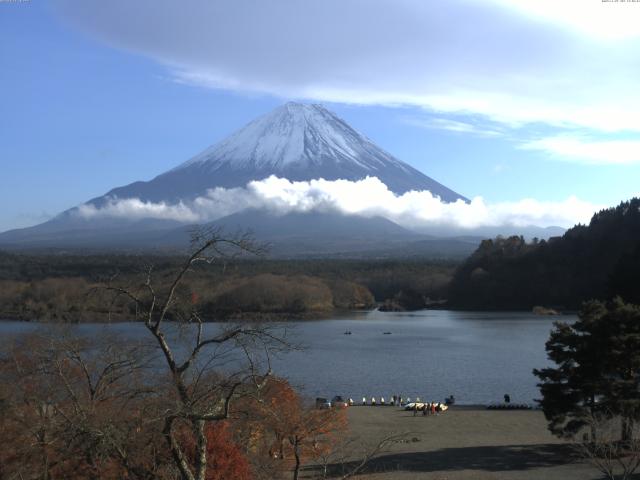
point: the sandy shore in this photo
(466, 443)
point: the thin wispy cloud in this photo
(451, 126)
(368, 197)
(588, 17)
(584, 150)
(514, 62)
(498, 168)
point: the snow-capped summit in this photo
(295, 141)
(294, 134)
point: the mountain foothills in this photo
(596, 261)
(297, 142)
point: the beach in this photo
(465, 443)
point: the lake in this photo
(476, 356)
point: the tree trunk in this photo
(45, 454)
(176, 452)
(45, 466)
(296, 453)
(627, 430)
(201, 449)
(592, 425)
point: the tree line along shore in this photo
(66, 288)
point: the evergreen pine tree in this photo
(597, 370)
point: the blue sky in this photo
(500, 99)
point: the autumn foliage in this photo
(226, 460)
(66, 414)
(287, 431)
(76, 409)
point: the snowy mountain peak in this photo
(294, 134)
(296, 141)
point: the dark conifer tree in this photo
(597, 370)
(622, 322)
(571, 390)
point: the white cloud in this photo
(580, 149)
(451, 125)
(368, 197)
(136, 209)
(513, 61)
(607, 19)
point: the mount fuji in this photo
(298, 142)
(295, 141)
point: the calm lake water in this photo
(476, 356)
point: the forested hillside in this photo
(64, 287)
(597, 261)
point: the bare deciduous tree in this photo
(74, 406)
(614, 458)
(209, 368)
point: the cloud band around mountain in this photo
(368, 197)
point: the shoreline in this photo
(247, 317)
(458, 407)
